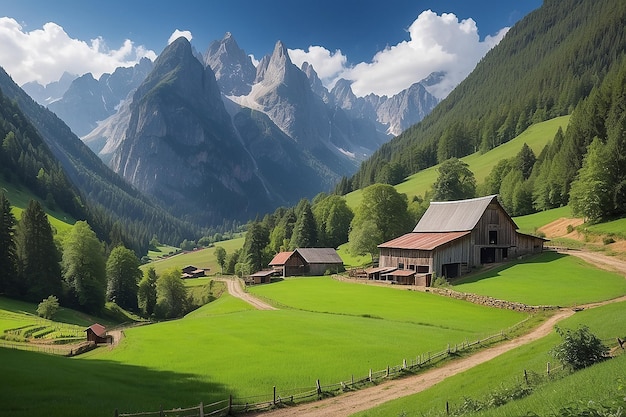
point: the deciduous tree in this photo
(123, 275)
(220, 255)
(147, 292)
(171, 294)
(84, 270)
(455, 181)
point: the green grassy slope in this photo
(536, 136)
(596, 383)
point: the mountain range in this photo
(213, 137)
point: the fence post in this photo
(116, 413)
(448, 348)
(230, 403)
(319, 388)
(404, 364)
(201, 409)
(274, 402)
(370, 376)
(447, 409)
(526, 376)
(352, 379)
(161, 412)
(548, 368)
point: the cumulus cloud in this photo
(436, 43)
(178, 33)
(327, 65)
(44, 54)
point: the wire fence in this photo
(281, 398)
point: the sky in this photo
(382, 46)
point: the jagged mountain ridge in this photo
(88, 100)
(284, 136)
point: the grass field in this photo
(595, 383)
(201, 258)
(615, 228)
(536, 136)
(546, 279)
(531, 222)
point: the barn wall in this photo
(458, 251)
(392, 258)
(528, 245)
(494, 219)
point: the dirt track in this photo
(235, 289)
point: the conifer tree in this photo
(8, 250)
(305, 230)
(39, 269)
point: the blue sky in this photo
(351, 36)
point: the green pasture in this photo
(546, 279)
(201, 258)
(329, 296)
(615, 228)
(350, 260)
(594, 383)
(536, 136)
(530, 223)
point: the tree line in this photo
(36, 265)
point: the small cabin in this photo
(191, 271)
(97, 333)
(307, 262)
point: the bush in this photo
(48, 307)
(607, 240)
(439, 282)
(570, 228)
(580, 348)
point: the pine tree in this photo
(8, 250)
(305, 230)
(40, 272)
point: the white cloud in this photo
(44, 54)
(178, 33)
(327, 65)
(436, 43)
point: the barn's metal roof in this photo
(98, 329)
(454, 216)
(422, 241)
(320, 255)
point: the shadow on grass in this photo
(53, 386)
(542, 258)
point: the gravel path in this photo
(235, 289)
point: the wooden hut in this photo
(97, 333)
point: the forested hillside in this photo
(117, 212)
(545, 65)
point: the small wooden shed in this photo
(307, 261)
(261, 277)
(97, 333)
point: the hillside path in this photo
(347, 404)
(235, 289)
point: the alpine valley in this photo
(211, 137)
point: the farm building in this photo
(261, 277)
(307, 261)
(193, 272)
(97, 333)
(451, 238)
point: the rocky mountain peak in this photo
(233, 69)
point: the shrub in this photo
(580, 348)
(439, 282)
(607, 240)
(570, 228)
(48, 307)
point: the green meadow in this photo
(598, 383)
(201, 258)
(530, 223)
(546, 279)
(536, 136)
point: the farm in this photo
(324, 329)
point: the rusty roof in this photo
(422, 241)
(280, 258)
(400, 273)
(320, 255)
(98, 329)
(455, 216)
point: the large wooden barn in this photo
(451, 238)
(307, 261)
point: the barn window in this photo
(423, 269)
(493, 237)
(400, 265)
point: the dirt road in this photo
(609, 263)
(235, 289)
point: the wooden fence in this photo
(300, 395)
